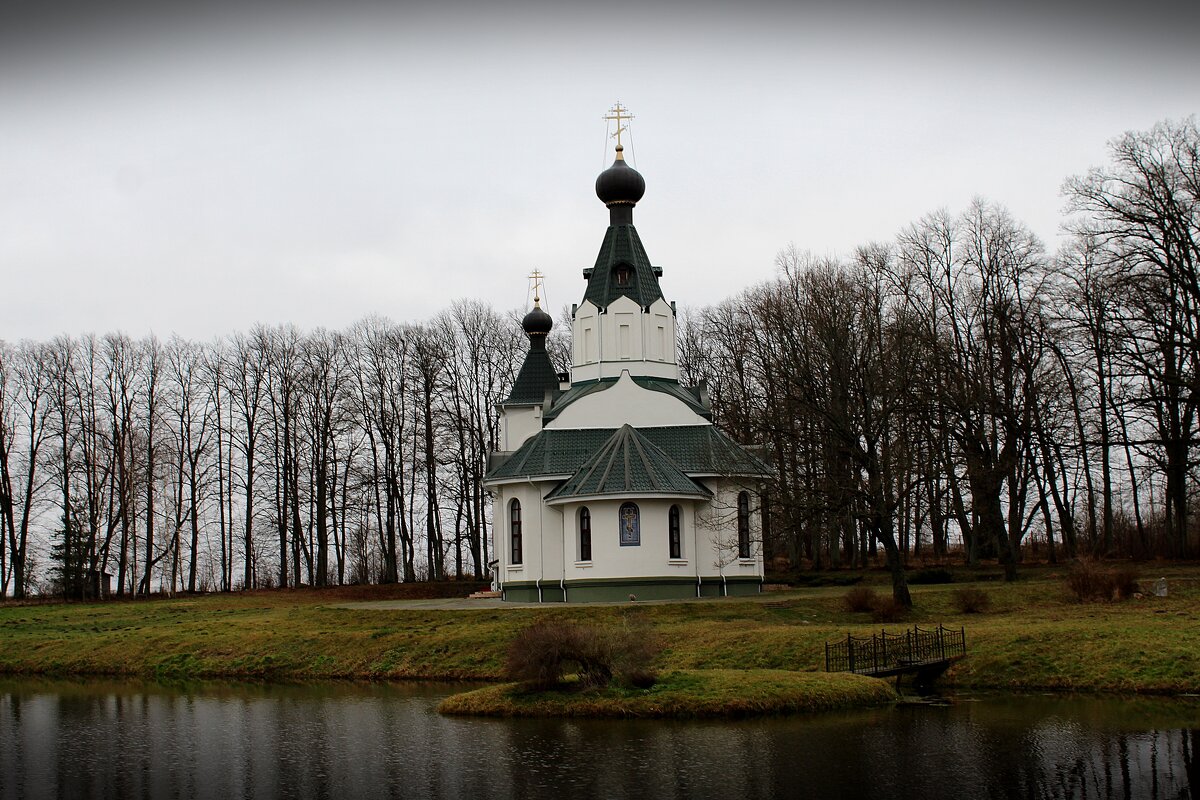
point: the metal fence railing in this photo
(895, 652)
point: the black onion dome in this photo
(620, 183)
(537, 322)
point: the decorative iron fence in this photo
(895, 652)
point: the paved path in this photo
(495, 604)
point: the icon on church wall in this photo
(631, 526)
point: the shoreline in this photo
(1034, 638)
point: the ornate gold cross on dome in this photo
(619, 113)
(536, 279)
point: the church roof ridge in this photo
(628, 464)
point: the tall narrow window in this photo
(585, 534)
(743, 519)
(514, 530)
(622, 275)
(673, 534)
(631, 525)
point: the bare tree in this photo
(1145, 209)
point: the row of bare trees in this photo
(961, 384)
(276, 458)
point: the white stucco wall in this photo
(551, 536)
(541, 531)
(626, 402)
(518, 424)
(717, 533)
(610, 559)
(624, 337)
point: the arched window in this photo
(514, 530)
(623, 275)
(743, 525)
(674, 537)
(630, 522)
(585, 534)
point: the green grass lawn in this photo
(684, 693)
(1033, 637)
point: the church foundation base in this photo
(603, 590)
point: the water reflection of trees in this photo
(353, 741)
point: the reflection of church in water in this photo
(617, 483)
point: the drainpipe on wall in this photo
(539, 588)
(562, 581)
(696, 550)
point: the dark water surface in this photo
(121, 740)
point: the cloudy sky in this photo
(197, 171)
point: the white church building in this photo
(617, 484)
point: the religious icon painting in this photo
(631, 525)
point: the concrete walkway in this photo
(495, 604)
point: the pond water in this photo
(121, 740)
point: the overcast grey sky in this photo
(197, 172)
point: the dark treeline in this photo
(962, 386)
(959, 392)
(277, 458)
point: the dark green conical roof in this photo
(628, 464)
(537, 374)
(622, 247)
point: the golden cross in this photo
(619, 113)
(536, 277)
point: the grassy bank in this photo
(684, 693)
(1033, 637)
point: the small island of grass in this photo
(682, 693)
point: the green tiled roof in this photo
(673, 388)
(551, 452)
(536, 376)
(628, 464)
(622, 245)
(694, 449)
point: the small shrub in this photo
(1090, 582)
(886, 609)
(971, 600)
(1087, 582)
(1124, 582)
(860, 598)
(540, 655)
(639, 678)
(931, 575)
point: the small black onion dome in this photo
(537, 322)
(620, 183)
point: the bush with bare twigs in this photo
(886, 609)
(970, 600)
(1091, 582)
(860, 598)
(542, 654)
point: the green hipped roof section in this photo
(536, 376)
(664, 385)
(628, 464)
(622, 245)
(694, 449)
